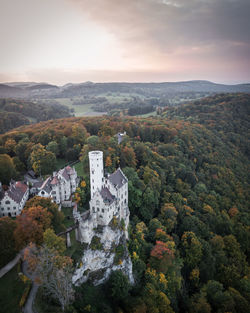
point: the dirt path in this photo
(28, 308)
(10, 265)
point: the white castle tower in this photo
(96, 171)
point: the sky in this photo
(62, 41)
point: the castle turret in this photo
(96, 170)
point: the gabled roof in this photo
(64, 174)
(16, 191)
(32, 174)
(37, 184)
(69, 170)
(54, 181)
(106, 195)
(118, 179)
(46, 185)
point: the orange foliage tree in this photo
(30, 226)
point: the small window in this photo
(14, 208)
(98, 209)
(92, 172)
(7, 202)
(8, 208)
(2, 209)
(92, 180)
(102, 210)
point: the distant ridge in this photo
(32, 89)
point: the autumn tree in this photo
(7, 168)
(169, 216)
(53, 242)
(42, 161)
(31, 225)
(46, 203)
(128, 157)
(192, 249)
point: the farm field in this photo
(80, 110)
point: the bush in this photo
(96, 243)
(25, 294)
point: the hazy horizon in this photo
(120, 82)
(73, 41)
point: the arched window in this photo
(7, 202)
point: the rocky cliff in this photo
(107, 252)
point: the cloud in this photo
(205, 38)
(166, 27)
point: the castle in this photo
(60, 186)
(109, 199)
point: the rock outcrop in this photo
(107, 252)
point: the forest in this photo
(15, 113)
(188, 171)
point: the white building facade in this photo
(13, 200)
(60, 185)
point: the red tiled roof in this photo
(69, 170)
(54, 181)
(16, 191)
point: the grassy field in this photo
(79, 169)
(60, 163)
(147, 114)
(80, 110)
(68, 220)
(11, 290)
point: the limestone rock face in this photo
(107, 252)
